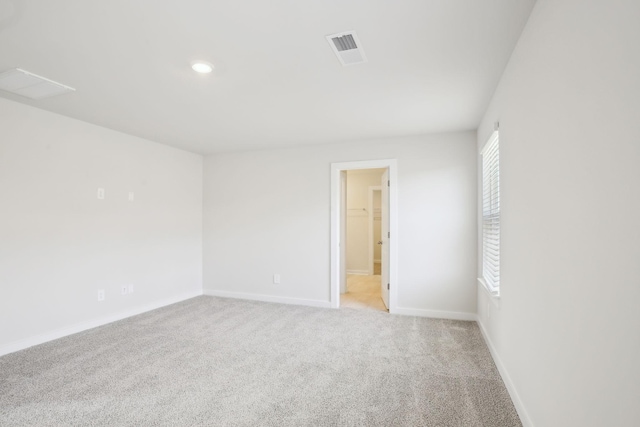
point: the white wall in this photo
(280, 223)
(567, 331)
(59, 244)
(358, 183)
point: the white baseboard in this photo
(268, 298)
(451, 315)
(358, 272)
(515, 397)
(83, 326)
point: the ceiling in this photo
(432, 66)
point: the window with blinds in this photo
(491, 214)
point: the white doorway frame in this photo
(372, 189)
(338, 221)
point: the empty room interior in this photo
(335, 213)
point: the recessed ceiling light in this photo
(202, 67)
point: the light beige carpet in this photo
(222, 362)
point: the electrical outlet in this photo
(100, 194)
(131, 288)
(101, 295)
(131, 196)
(276, 278)
(124, 289)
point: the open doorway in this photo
(364, 240)
(356, 223)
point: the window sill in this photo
(494, 296)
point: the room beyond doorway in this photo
(363, 292)
(363, 239)
(339, 245)
(363, 225)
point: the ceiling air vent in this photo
(32, 86)
(347, 48)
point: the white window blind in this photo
(491, 213)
